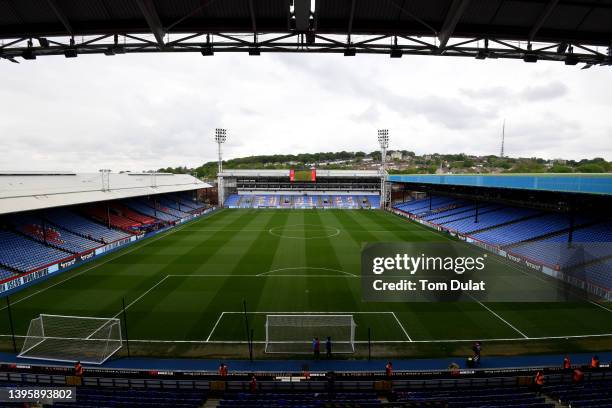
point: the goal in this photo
(72, 338)
(294, 333)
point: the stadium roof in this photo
(477, 28)
(575, 183)
(24, 191)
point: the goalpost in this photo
(294, 333)
(72, 338)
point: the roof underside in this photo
(578, 22)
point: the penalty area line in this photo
(402, 327)
(142, 295)
(214, 327)
(499, 317)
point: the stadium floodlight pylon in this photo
(383, 140)
(91, 340)
(294, 333)
(220, 138)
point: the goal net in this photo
(294, 333)
(72, 338)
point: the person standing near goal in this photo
(316, 347)
(328, 347)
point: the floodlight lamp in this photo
(571, 60)
(482, 54)
(383, 137)
(220, 135)
(396, 52)
(70, 53)
(530, 58)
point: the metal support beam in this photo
(285, 43)
(61, 16)
(350, 23)
(542, 19)
(147, 7)
(253, 20)
(453, 16)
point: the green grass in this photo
(180, 284)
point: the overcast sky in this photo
(136, 112)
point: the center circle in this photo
(304, 231)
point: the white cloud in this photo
(147, 111)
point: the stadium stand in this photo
(6, 274)
(35, 227)
(594, 394)
(507, 397)
(449, 210)
(466, 215)
(592, 239)
(188, 202)
(82, 226)
(531, 234)
(143, 208)
(174, 207)
(528, 229)
(599, 272)
(106, 216)
(302, 201)
(133, 215)
(490, 219)
(99, 397)
(304, 400)
(161, 206)
(23, 254)
(423, 205)
(232, 201)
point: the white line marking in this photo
(215, 326)
(261, 276)
(143, 295)
(512, 339)
(328, 235)
(499, 317)
(312, 312)
(401, 326)
(600, 305)
(305, 267)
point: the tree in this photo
(590, 168)
(559, 168)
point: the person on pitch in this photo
(328, 347)
(316, 348)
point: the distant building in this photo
(396, 155)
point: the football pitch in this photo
(185, 289)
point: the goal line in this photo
(223, 315)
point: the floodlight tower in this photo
(220, 137)
(383, 139)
